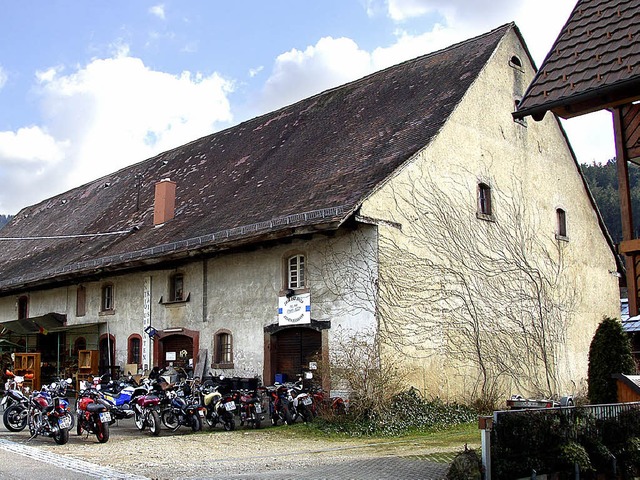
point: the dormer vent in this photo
(165, 201)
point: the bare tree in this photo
(489, 293)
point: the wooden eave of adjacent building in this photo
(594, 63)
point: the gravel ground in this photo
(217, 453)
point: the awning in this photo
(7, 346)
(51, 322)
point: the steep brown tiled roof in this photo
(302, 168)
(594, 63)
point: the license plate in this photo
(64, 422)
(307, 401)
(258, 408)
(105, 417)
(230, 406)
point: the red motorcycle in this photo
(322, 402)
(93, 415)
(279, 404)
(145, 412)
(249, 407)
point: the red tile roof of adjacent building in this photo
(594, 63)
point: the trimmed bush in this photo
(609, 353)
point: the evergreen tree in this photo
(609, 353)
(603, 183)
(4, 219)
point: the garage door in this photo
(295, 348)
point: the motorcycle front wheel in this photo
(138, 419)
(286, 414)
(79, 425)
(170, 420)
(196, 425)
(15, 418)
(102, 432)
(154, 423)
(228, 422)
(256, 420)
(62, 436)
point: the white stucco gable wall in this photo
(480, 143)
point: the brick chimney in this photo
(165, 201)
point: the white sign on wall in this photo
(295, 310)
(146, 322)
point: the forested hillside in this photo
(603, 182)
(4, 219)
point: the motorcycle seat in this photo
(95, 407)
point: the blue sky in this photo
(88, 87)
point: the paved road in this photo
(245, 454)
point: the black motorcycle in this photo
(15, 404)
(93, 415)
(178, 409)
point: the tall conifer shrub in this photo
(609, 353)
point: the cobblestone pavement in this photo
(269, 453)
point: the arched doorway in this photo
(292, 350)
(177, 347)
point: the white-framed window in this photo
(296, 272)
(107, 298)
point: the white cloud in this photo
(298, 74)
(104, 116)
(591, 136)
(30, 145)
(3, 77)
(158, 11)
(330, 62)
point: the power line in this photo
(77, 235)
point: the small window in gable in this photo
(561, 224)
(176, 288)
(107, 298)
(296, 272)
(484, 201)
(516, 63)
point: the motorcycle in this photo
(180, 410)
(48, 413)
(249, 407)
(323, 403)
(146, 406)
(218, 408)
(93, 415)
(15, 403)
(279, 404)
(119, 398)
(300, 403)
